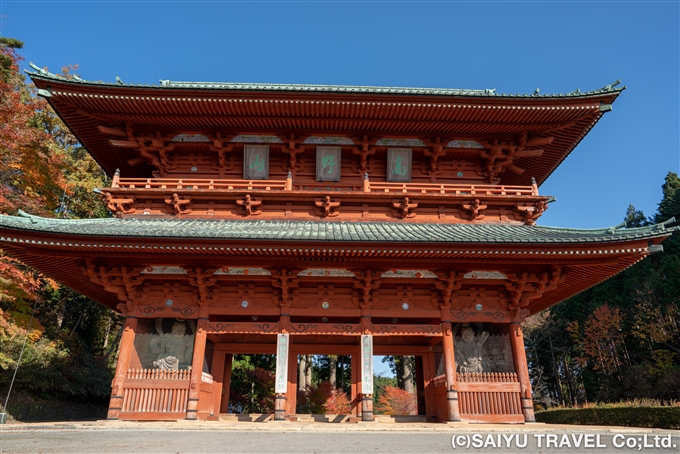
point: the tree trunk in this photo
(342, 372)
(333, 376)
(399, 366)
(115, 340)
(570, 382)
(302, 384)
(556, 373)
(308, 370)
(407, 371)
(107, 332)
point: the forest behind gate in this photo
(618, 340)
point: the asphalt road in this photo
(117, 440)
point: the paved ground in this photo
(188, 437)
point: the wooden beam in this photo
(136, 161)
(112, 131)
(124, 143)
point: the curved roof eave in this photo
(328, 231)
(313, 88)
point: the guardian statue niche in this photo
(468, 350)
(173, 350)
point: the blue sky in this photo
(514, 47)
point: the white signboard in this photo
(367, 364)
(282, 350)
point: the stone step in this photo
(319, 418)
(394, 419)
(246, 417)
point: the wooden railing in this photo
(451, 189)
(287, 185)
(485, 397)
(158, 374)
(197, 183)
(488, 377)
(155, 394)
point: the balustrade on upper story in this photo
(353, 187)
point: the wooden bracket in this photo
(524, 287)
(327, 207)
(449, 281)
(203, 279)
(500, 156)
(366, 281)
(249, 206)
(292, 146)
(474, 209)
(119, 206)
(285, 280)
(180, 206)
(222, 146)
(364, 149)
(529, 213)
(437, 152)
(404, 208)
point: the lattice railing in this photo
(488, 377)
(484, 394)
(157, 391)
(159, 374)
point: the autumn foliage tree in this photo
(621, 338)
(337, 403)
(396, 401)
(602, 341)
(46, 172)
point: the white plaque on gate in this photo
(367, 364)
(282, 350)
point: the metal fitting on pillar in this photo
(528, 408)
(367, 408)
(280, 407)
(452, 401)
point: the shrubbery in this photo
(49, 368)
(657, 417)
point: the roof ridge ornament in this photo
(41, 70)
(661, 226)
(614, 228)
(611, 86)
(32, 218)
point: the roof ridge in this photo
(368, 89)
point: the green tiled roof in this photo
(396, 232)
(311, 88)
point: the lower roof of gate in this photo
(116, 229)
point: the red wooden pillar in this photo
(356, 384)
(431, 372)
(226, 387)
(291, 400)
(196, 369)
(218, 380)
(522, 370)
(450, 363)
(420, 385)
(127, 344)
